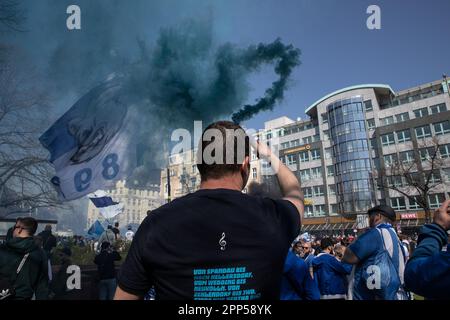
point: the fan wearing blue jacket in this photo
(297, 283)
(427, 272)
(329, 273)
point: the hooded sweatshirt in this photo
(33, 277)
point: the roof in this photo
(360, 86)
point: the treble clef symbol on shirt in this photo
(222, 242)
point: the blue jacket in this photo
(427, 272)
(297, 283)
(330, 275)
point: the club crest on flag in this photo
(90, 144)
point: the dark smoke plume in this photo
(288, 59)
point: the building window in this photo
(425, 154)
(328, 153)
(254, 174)
(291, 159)
(419, 113)
(395, 181)
(404, 135)
(398, 203)
(316, 138)
(447, 173)
(284, 145)
(304, 156)
(334, 208)
(326, 135)
(371, 124)
(387, 120)
(324, 118)
(319, 210)
(442, 127)
(368, 105)
(318, 191)
(304, 174)
(332, 189)
(413, 204)
(330, 171)
(435, 200)
(307, 192)
(444, 150)
(407, 157)
(390, 159)
(387, 139)
(295, 143)
(307, 140)
(316, 173)
(308, 211)
(268, 136)
(438, 108)
(194, 167)
(315, 154)
(423, 132)
(402, 117)
(435, 177)
(373, 143)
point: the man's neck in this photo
(228, 182)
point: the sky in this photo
(338, 49)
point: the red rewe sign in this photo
(408, 216)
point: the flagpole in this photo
(168, 184)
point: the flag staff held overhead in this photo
(168, 184)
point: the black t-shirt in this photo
(212, 244)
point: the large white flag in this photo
(90, 145)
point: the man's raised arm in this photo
(289, 184)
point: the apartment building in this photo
(351, 139)
(137, 201)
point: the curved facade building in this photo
(351, 157)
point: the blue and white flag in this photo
(96, 229)
(90, 144)
(107, 207)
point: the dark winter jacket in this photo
(33, 277)
(105, 262)
(427, 272)
(48, 240)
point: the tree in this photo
(25, 172)
(416, 177)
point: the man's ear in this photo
(245, 167)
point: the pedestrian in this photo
(427, 271)
(107, 271)
(48, 240)
(116, 231)
(107, 236)
(129, 234)
(217, 233)
(379, 260)
(330, 273)
(307, 252)
(297, 283)
(23, 265)
(58, 286)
